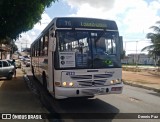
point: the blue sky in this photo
(133, 17)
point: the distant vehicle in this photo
(20, 57)
(26, 56)
(6, 69)
(26, 60)
(18, 63)
(28, 64)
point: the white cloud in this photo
(94, 3)
(24, 41)
(134, 17)
(31, 35)
(43, 23)
(141, 17)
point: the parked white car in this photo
(6, 69)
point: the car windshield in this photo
(9, 61)
(86, 49)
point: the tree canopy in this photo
(154, 48)
(17, 16)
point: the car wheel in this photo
(9, 77)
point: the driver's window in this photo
(100, 45)
(83, 45)
(110, 46)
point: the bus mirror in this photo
(121, 44)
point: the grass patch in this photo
(131, 69)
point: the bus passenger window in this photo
(45, 46)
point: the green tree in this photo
(123, 55)
(154, 48)
(13, 47)
(17, 16)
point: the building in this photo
(141, 59)
(4, 51)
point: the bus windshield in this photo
(86, 49)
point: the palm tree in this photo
(154, 48)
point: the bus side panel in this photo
(43, 67)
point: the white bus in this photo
(78, 57)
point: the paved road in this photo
(132, 100)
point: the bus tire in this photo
(44, 80)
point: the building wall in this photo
(139, 59)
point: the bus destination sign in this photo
(85, 23)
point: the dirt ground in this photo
(149, 77)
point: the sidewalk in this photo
(145, 80)
(15, 97)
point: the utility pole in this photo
(136, 55)
(26, 43)
(21, 44)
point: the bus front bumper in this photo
(62, 92)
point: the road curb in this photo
(131, 83)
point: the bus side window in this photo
(35, 49)
(39, 47)
(32, 51)
(45, 46)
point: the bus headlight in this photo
(71, 84)
(118, 81)
(112, 81)
(67, 84)
(115, 81)
(64, 83)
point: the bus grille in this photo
(88, 83)
(80, 77)
(102, 76)
(91, 80)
